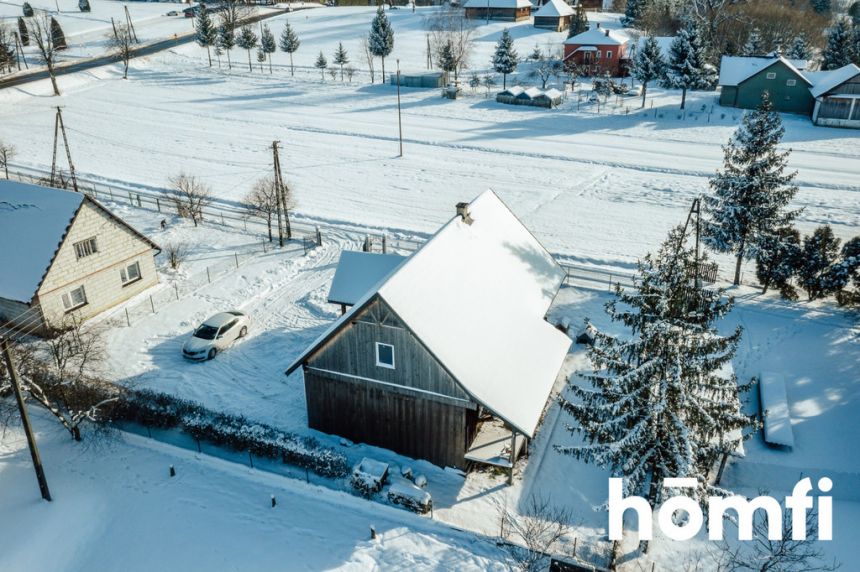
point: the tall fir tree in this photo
(838, 51)
(445, 59)
(289, 43)
(267, 43)
(226, 41)
(659, 404)
(688, 65)
(754, 45)
(23, 32)
(27, 9)
(84, 5)
(633, 12)
(57, 35)
(848, 269)
(854, 13)
(648, 64)
(799, 48)
(321, 64)
(341, 58)
(247, 40)
(752, 191)
(816, 273)
(777, 261)
(578, 22)
(381, 37)
(205, 32)
(505, 57)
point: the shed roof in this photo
(358, 272)
(476, 296)
(826, 81)
(737, 69)
(554, 9)
(35, 219)
(497, 4)
(599, 37)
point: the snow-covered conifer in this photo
(816, 273)
(648, 64)
(381, 39)
(321, 64)
(752, 191)
(226, 41)
(84, 5)
(57, 35)
(505, 58)
(821, 6)
(754, 45)
(341, 58)
(777, 261)
(247, 40)
(799, 48)
(289, 43)
(267, 44)
(839, 50)
(204, 31)
(633, 12)
(28, 10)
(578, 22)
(23, 32)
(688, 67)
(445, 59)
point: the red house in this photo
(597, 51)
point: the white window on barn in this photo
(74, 298)
(130, 273)
(791, 82)
(771, 75)
(385, 355)
(85, 247)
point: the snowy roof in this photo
(36, 220)
(775, 410)
(476, 295)
(358, 272)
(553, 93)
(529, 93)
(497, 4)
(826, 81)
(512, 91)
(737, 69)
(599, 37)
(554, 9)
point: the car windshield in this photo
(206, 332)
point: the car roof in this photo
(221, 318)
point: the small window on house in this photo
(74, 299)
(771, 75)
(385, 355)
(597, 55)
(791, 82)
(130, 273)
(85, 247)
(608, 55)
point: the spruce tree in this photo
(261, 57)
(659, 404)
(57, 35)
(267, 43)
(445, 58)
(821, 6)
(28, 10)
(856, 45)
(84, 5)
(321, 64)
(23, 32)
(226, 41)
(648, 64)
(754, 45)
(854, 13)
(505, 58)
(688, 67)
(848, 270)
(633, 12)
(799, 49)
(341, 58)
(816, 273)
(777, 261)
(838, 52)
(578, 22)
(204, 31)
(289, 43)
(247, 40)
(752, 191)
(381, 37)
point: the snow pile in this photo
(368, 476)
(775, 410)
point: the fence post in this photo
(384, 245)
(222, 220)
(130, 198)
(236, 256)
(152, 304)
(127, 319)
(610, 282)
(319, 237)
(139, 204)
(176, 289)
(110, 192)
(208, 276)
(157, 204)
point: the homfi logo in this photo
(798, 503)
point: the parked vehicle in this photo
(215, 335)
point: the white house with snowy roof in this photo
(448, 357)
(65, 255)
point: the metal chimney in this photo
(463, 212)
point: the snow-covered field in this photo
(601, 189)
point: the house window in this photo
(771, 75)
(385, 355)
(791, 82)
(85, 247)
(130, 273)
(608, 55)
(597, 55)
(74, 299)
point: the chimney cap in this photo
(598, 24)
(606, 32)
(463, 212)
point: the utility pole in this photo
(25, 420)
(399, 122)
(277, 190)
(282, 192)
(68, 151)
(54, 156)
(130, 25)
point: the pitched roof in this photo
(358, 272)
(599, 37)
(497, 4)
(825, 81)
(734, 70)
(36, 219)
(554, 9)
(476, 295)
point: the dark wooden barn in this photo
(447, 358)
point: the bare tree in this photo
(235, 12)
(121, 43)
(46, 48)
(368, 55)
(545, 68)
(535, 533)
(190, 197)
(451, 24)
(176, 253)
(262, 202)
(8, 49)
(7, 152)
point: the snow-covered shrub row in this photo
(159, 410)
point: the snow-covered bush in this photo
(369, 476)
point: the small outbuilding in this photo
(449, 357)
(507, 10)
(554, 15)
(65, 256)
(837, 97)
(517, 95)
(428, 79)
(743, 81)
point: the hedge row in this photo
(158, 410)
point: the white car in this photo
(216, 334)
